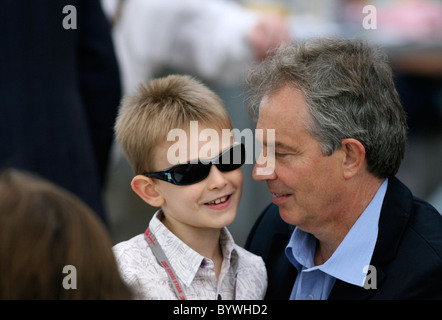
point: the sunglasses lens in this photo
(190, 173)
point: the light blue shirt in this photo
(348, 263)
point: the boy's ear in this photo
(354, 158)
(147, 190)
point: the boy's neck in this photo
(204, 241)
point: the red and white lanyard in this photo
(162, 259)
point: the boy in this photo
(187, 251)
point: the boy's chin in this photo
(228, 222)
(225, 220)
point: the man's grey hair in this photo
(349, 89)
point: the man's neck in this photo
(332, 234)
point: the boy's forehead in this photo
(190, 144)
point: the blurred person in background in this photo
(215, 39)
(60, 90)
(43, 229)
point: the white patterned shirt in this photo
(243, 275)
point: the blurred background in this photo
(63, 74)
(411, 32)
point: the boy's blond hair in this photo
(163, 104)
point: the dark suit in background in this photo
(407, 255)
(59, 92)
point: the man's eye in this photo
(280, 155)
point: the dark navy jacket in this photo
(59, 93)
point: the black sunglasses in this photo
(193, 172)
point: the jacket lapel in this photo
(280, 287)
(394, 217)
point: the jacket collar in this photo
(395, 214)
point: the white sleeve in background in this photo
(203, 37)
(211, 39)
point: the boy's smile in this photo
(218, 201)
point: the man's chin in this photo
(288, 215)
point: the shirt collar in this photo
(184, 260)
(352, 255)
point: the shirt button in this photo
(311, 297)
(203, 263)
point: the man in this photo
(343, 226)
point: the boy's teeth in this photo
(218, 201)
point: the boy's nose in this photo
(216, 179)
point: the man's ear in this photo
(146, 188)
(354, 157)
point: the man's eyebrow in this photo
(281, 145)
